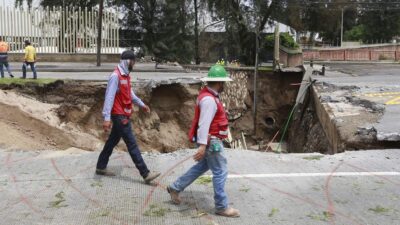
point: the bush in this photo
(355, 34)
(286, 40)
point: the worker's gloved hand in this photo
(107, 126)
(201, 152)
(146, 108)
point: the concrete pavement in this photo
(304, 189)
(91, 67)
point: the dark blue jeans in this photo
(7, 66)
(122, 128)
(33, 68)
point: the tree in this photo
(58, 3)
(142, 17)
(382, 22)
(166, 26)
(357, 33)
(175, 42)
(242, 18)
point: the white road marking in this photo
(337, 174)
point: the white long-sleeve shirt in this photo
(208, 109)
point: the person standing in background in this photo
(29, 60)
(4, 58)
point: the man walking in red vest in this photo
(209, 128)
(117, 111)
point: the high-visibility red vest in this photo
(219, 125)
(123, 98)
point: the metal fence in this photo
(59, 30)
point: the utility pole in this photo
(257, 32)
(277, 46)
(341, 29)
(99, 32)
(196, 34)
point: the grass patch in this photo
(59, 200)
(325, 216)
(273, 212)
(40, 81)
(199, 214)
(244, 189)
(266, 68)
(342, 201)
(97, 184)
(379, 209)
(316, 188)
(204, 180)
(380, 182)
(156, 211)
(313, 157)
(104, 213)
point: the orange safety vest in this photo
(3, 47)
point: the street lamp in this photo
(341, 27)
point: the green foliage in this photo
(286, 40)
(313, 157)
(355, 34)
(379, 209)
(164, 26)
(18, 81)
(204, 180)
(380, 25)
(156, 211)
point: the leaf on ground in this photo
(273, 212)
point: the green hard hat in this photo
(217, 73)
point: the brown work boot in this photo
(151, 176)
(104, 172)
(174, 196)
(229, 212)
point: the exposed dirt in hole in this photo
(306, 134)
(68, 114)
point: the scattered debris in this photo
(104, 213)
(379, 209)
(58, 203)
(315, 188)
(325, 216)
(97, 184)
(273, 212)
(156, 211)
(244, 189)
(199, 214)
(369, 130)
(341, 201)
(313, 157)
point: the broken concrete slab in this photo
(368, 99)
(388, 127)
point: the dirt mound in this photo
(21, 131)
(38, 124)
(68, 114)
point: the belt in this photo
(214, 137)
